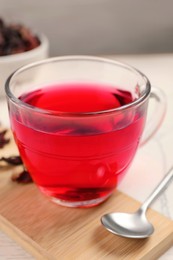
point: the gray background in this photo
(97, 26)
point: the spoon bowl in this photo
(135, 225)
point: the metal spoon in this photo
(135, 225)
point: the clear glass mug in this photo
(78, 157)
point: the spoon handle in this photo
(158, 190)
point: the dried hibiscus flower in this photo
(22, 177)
(3, 139)
(14, 160)
(16, 38)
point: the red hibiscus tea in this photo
(78, 154)
(77, 122)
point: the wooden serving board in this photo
(49, 231)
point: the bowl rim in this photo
(44, 44)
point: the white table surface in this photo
(151, 161)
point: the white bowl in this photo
(9, 63)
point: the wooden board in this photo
(49, 231)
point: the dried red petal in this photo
(16, 38)
(3, 140)
(22, 177)
(14, 160)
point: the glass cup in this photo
(78, 122)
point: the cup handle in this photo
(157, 116)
